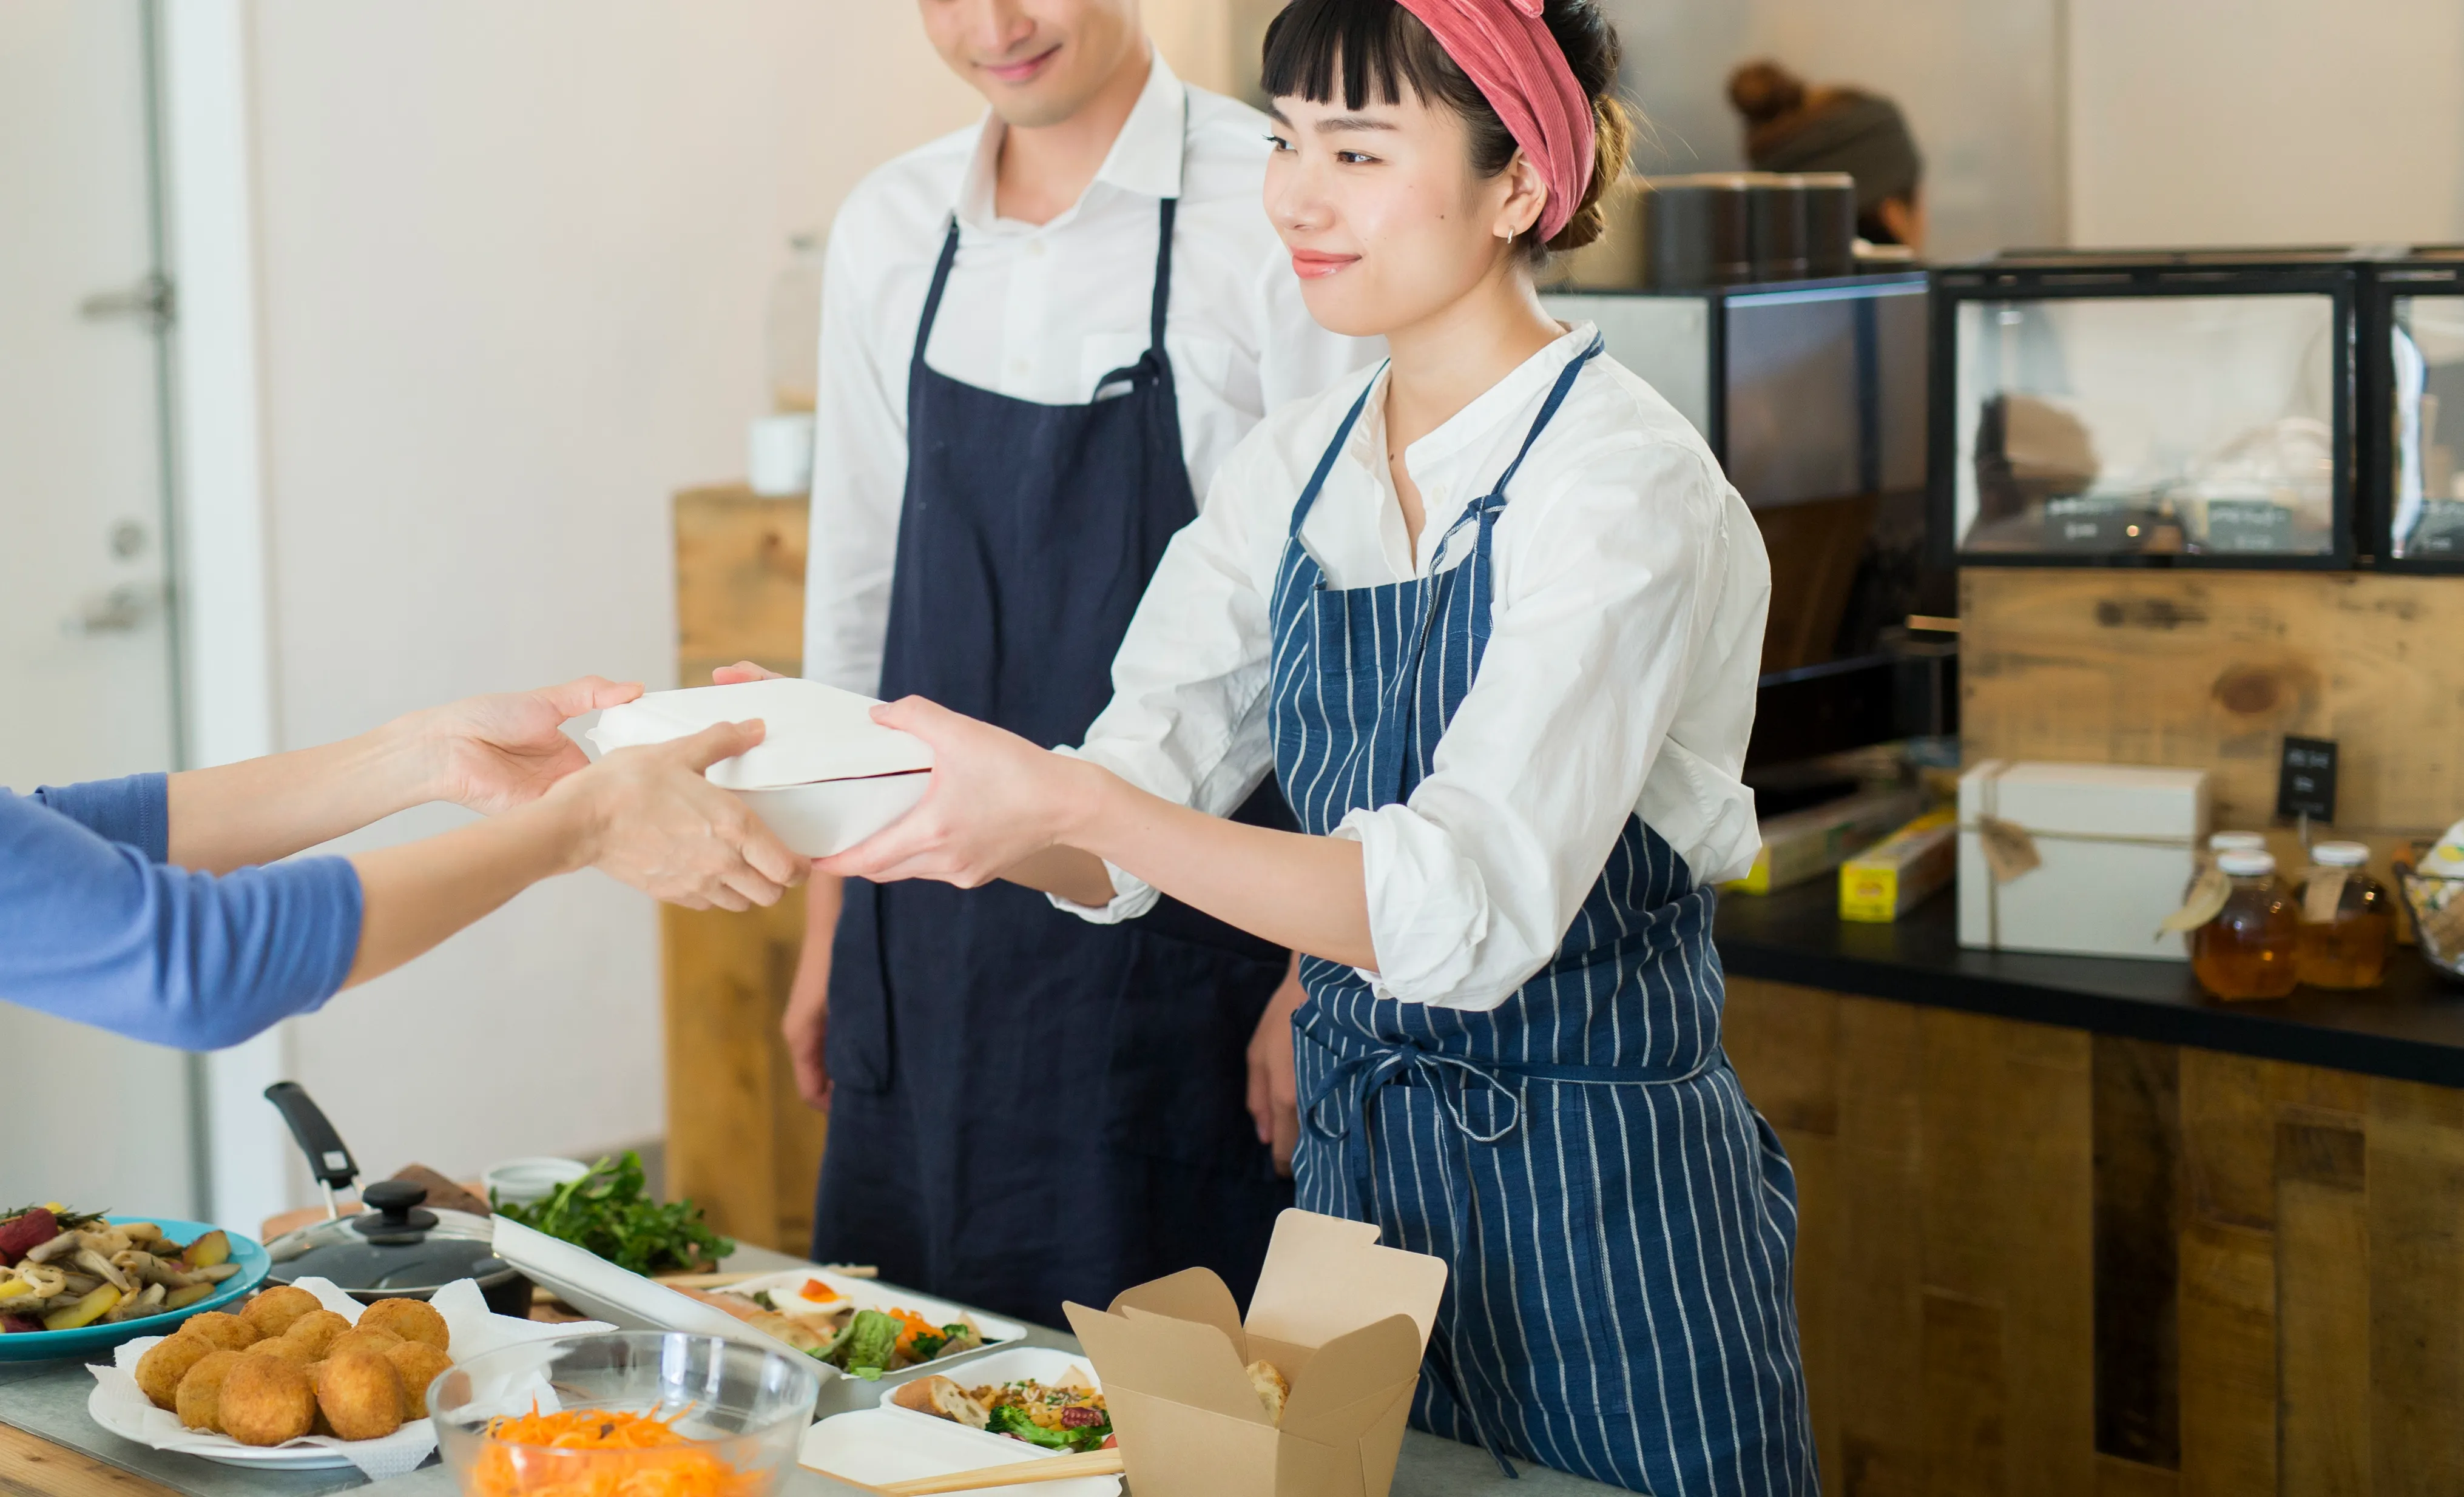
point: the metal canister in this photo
(1696, 230)
(1775, 226)
(1829, 223)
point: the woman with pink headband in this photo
(1493, 614)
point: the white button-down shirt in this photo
(1042, 312)
(1630, 589)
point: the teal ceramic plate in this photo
(34, 1346)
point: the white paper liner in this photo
(118, 1406)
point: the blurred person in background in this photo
(1039, 338)
(1791, 127)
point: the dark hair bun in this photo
(1764, 91)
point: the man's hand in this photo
(805, 1025)
(1274, 1096)
(742, 671)
(650, 817)
(493, 754)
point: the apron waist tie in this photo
(1338, 1111)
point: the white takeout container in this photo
(825, 776)
(876, 1446)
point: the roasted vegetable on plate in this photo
(73, 1281)
(62, 1269)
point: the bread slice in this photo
(1271, 1388)
(942, 1398)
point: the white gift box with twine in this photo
(2083, 860)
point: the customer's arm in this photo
(489, 753)
(94, 927)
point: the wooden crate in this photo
(740, 1139)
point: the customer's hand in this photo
(742, 671)
(805, 1025)
(494, 752)
(1274, 1095)
(650, 818)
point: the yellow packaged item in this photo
(1895, 875)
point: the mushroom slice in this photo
(101, 1266)
(64, 1243)
(213, 1273)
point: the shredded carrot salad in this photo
(526, 1456)
(912, 1324)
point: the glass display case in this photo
(2412, 381)
(2153, 409)
(1812, 395)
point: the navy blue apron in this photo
(1027, 1108)
(1618, 1220)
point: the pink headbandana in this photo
(1506, 50)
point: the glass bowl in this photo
(740, 1406)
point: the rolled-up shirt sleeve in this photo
(96, 928)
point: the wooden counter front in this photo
(2036, 1260)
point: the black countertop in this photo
(2411, 1028)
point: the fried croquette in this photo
(283, 1349)
(411, 1319)
(201, 1392)
(166, 1363)
(265, 1400)
(373, 1339)
(273, 1311)
(230, 1333)
(360, 1393)
(419, 1364)
(316, 1330)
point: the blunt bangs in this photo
(1373, 43)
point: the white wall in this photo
(2222, 122)
(511, 263)
(1979, 81)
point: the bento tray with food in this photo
(75, 1282)
(858, 1327)
(304, 1377)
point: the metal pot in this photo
(398, 1248)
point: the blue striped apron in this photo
(1618, 1220)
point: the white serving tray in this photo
(874, 1445)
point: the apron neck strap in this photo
(941, 283)
(1333, 449)
(1162, 274)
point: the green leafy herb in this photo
(864, 1346)
(1008, 1418)
(610, 1212)
(762, 1297)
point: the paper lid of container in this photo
(815, 733)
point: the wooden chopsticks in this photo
(1019, 1474)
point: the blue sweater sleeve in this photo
(93, 926)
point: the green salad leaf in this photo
(610, 1212)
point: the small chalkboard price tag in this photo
(2306, 785)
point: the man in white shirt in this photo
(1041, 336)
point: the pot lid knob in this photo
(396, 1203)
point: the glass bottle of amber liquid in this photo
(2248, 950)
(2347, 919)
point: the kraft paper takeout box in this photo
(1344, 1319)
